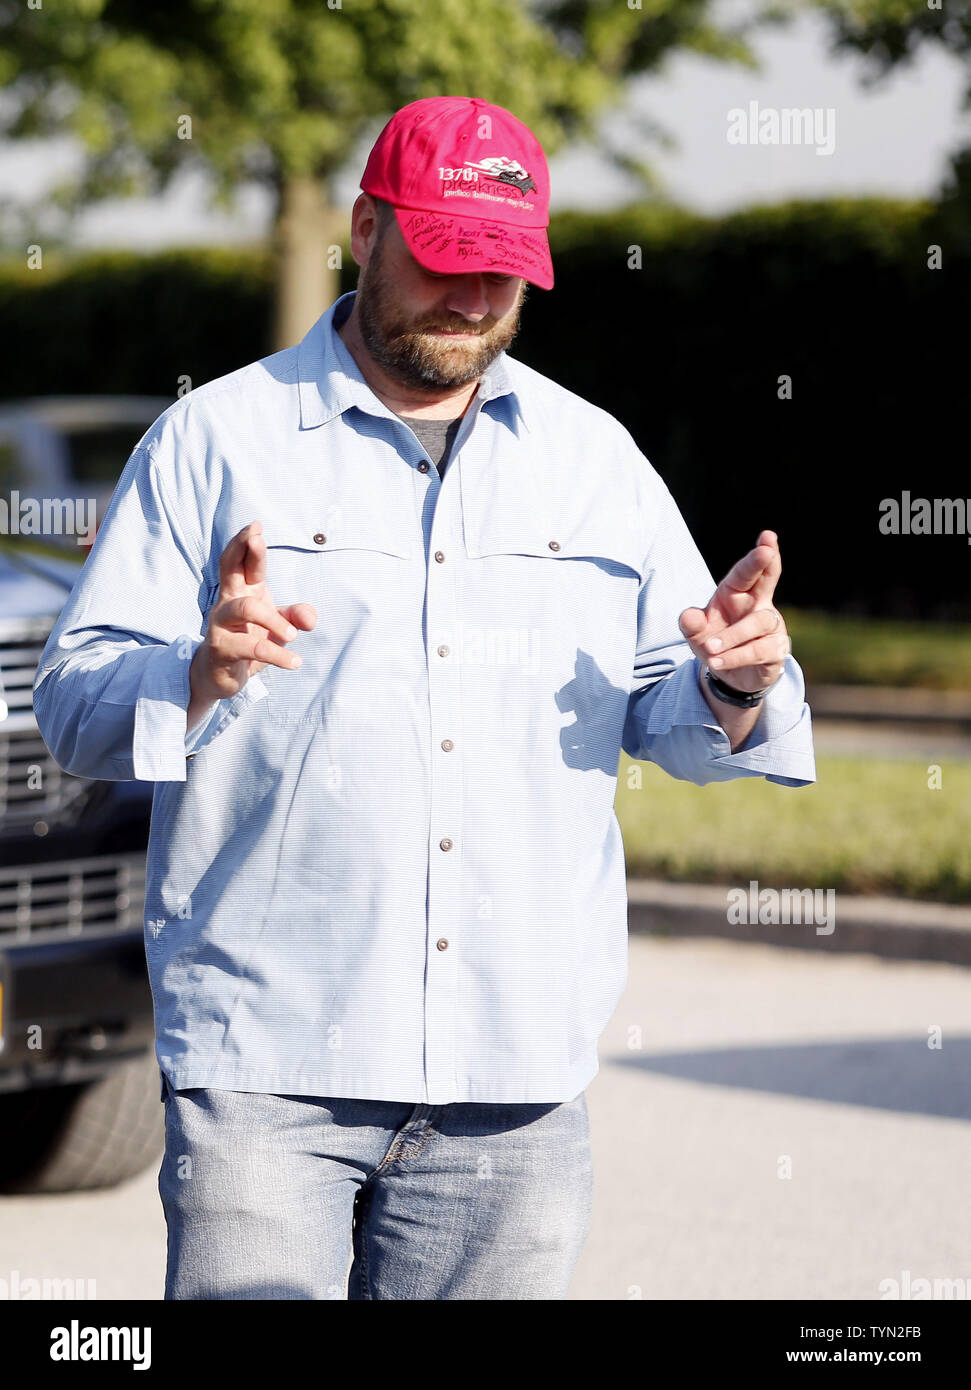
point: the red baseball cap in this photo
(469, 186)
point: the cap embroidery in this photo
(498, 168)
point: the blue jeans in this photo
(279, 1197)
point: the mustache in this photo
(453, 328)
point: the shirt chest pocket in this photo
(608, 544)
(357, 573)
(302, 560)
(308, 564)
(566, 585)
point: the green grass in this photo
(878, 651)
(54, 550)
(865, 826)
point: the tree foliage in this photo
(277, 88)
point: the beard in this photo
(411, 352)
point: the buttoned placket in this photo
(443, 650)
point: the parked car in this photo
(70, 448)
(79, 1082)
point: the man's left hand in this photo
(741, 635)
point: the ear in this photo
(365, 228)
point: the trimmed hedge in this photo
(687, 351)
(116, 322)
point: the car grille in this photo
(33, 789)
(21, 643)
(72, 898)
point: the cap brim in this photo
(465, 245)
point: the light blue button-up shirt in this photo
(394, 873)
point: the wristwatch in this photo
(729, 695)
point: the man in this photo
(377, 615)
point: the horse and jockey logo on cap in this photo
(504, 170)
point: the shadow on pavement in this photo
(901, 1074)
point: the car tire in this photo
(89, 1135)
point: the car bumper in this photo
(74, 992)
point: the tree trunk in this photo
(307, 236)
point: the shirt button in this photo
(443, 651)
(439, 555)
(445, 844)
(319, 538)
(554, 545)
(424, 466)
(447, 744)
(442, 944)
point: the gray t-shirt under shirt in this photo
(436, 438)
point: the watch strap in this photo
(729, 695)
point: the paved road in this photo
(747, 1057)
(856, 739)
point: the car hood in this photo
(34, 586)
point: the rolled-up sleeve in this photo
(668, 721)
(112, 687)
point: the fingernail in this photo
(296, 661)
(715, 644)
(716, 661)
(290, 633)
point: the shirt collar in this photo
(329, 380)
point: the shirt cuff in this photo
(202, 727)
(160, 742)
(679, 731)
(780, 747)
(224, 712)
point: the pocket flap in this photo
(340, 532)
(593, 538)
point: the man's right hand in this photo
(245, 632)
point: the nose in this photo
(467, 296)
